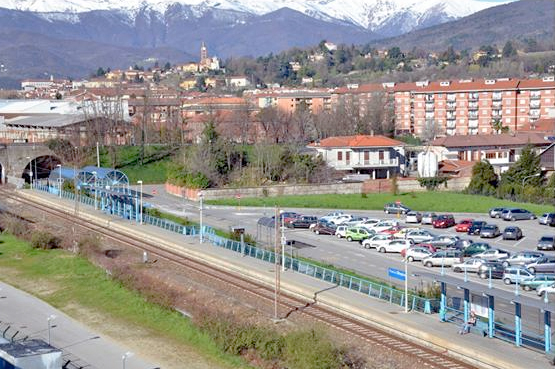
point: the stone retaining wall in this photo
(370, 186)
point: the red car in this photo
(391, 230)
(463, 225)
(444, 221)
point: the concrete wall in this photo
(370, 186)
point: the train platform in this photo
(426, 329)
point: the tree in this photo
(526, 172)
(498, 127)
(484, 179)
(508, 50)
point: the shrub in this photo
(44, 240)
(89, 244)
(432, 183)
(310, 350)
(13, 225)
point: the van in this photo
(516, 274)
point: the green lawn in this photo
(73, 280)
(422, 201)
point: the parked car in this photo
(476, 227)
(428, 218)
(463, 225)
(287, 216)
(494, 269)
(518, 214)
(340, 231)
(358, 234)
(495, 212)
(354, 221)
(471, 265)
(443, 257)
(368, 223)
(331, 215)
(324, 228)
(415, 253)
(475, 248)
(546, 243)
(382, 225)
(537, 281)
(461, 244)
(403, 231)
(395, 246)
(341, 219)
(444, 221)
(546, 218)
(545, 264)
(443, 241)
(413, 217)
(512, 233)
(394, 208)
(522, 258)
(541, 291)
(514, 274)
(419, 235)
(493, 255)
(490, 231)
(376, 241)
(302, 221)
(425, 245)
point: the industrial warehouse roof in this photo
(46, 121)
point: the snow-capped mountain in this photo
(369, 14)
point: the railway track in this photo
(427, 357)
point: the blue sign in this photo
(396, 273)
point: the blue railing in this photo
(377, 290)
(353, 283)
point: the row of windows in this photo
(366, 154)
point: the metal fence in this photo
(350, 282)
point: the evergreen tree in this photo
(484, 179)
(508, 50)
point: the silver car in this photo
(417, 253)
(517, 214)
(546, 218)
(419, 235)
(490, 231)
(428, 218)
(443, 257)
(522, 258)
(545, 264)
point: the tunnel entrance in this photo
(39, 168)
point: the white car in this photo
(341, 231)
(368, 223)
(471, 265)
(354, 221)
(413, 217)
(328, 217)
(417, 253)
(395, 246)
(377, 241)
(428, 218)
(384, 225)
(550, 289)
(341, 219)
(493, 255)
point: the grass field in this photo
(65, 281)
(422, 201)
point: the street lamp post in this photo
(49, 320)
(124, 358)
(200, 196)
(530, 176)
(140, 182)
(406, 285)
(95, 192)
(59, 166)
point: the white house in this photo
(378, 156)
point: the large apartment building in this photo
(470, 107)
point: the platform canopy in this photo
(104, 177)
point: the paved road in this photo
(29, 315)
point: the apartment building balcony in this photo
(496, 114)
(473, 98)
(535, 97)
(451, 124)
(429, 107)
(376, 163)
(497, 104)
(473, 123)
(451, 131)
(429, 98)
(451, 97)
(473, 115)
(451, 107)
(497, 97)
(535, 113)
(534, 104)
(451, 115)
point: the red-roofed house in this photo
(378, 156)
